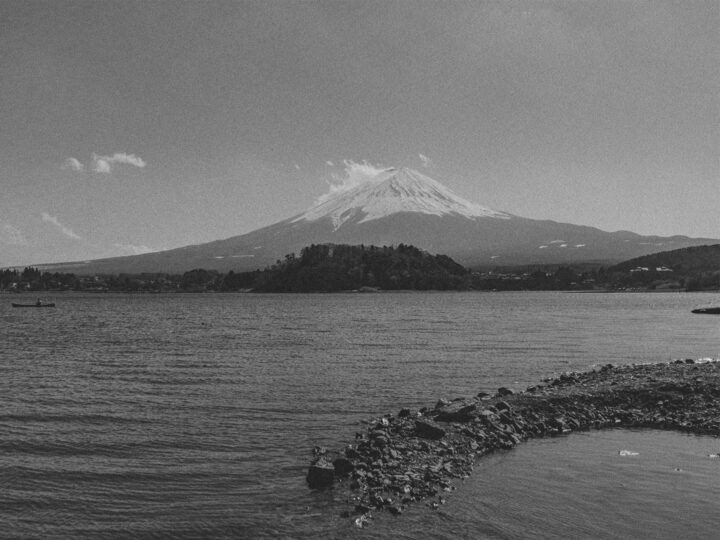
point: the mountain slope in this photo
(691, 259)
(401, 206)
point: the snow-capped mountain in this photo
(392, 191)
(396, 206)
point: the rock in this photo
(459, 411)
(487, 415)
(343, 466)
(441, 403)
(321, 474)
(381, 441)
(362, 508)
(428, 429)
(502, 392)
(404, 413)
(502, 406)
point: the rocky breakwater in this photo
(417, 455)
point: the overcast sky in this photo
(128, 126)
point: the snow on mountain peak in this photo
(390, 191)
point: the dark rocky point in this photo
(321, 474)
(343, 466)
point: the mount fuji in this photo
(396, 206)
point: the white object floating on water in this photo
(714, 456)
(361, 521)
(628, 453)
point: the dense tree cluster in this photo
(692, 269)
(328, 267)
(32, 279)
(696, 260)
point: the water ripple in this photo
(194, 415)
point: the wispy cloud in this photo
(353, 175)
(104, 164)
(131, 249)
(426, 161)
(101, 165)
(47, 218)
(12, 236)
(73, 164)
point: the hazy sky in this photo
(127, 126)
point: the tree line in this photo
(329, 267)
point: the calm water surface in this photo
(194, 415)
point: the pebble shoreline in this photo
(416, 455)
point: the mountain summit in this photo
(392, 191)
(394, 206)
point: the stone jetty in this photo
(418, 455)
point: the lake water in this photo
(195, 415)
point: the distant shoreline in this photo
(357, 291)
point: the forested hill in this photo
(691, 259)
(329, 267)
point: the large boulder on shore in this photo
(321, 474)
(428, 429)
(458, 411)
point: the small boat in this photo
(707, 311)
(36, 304)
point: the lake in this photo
(195, 415)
